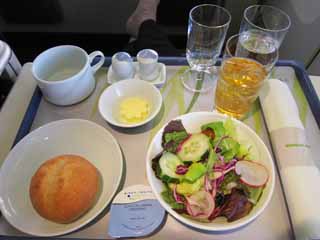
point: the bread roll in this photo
(64, 188)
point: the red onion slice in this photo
(176, 196)
(181, 169)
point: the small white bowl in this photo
(192, 122)
(110, 99)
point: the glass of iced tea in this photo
(240, 79)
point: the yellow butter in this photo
(133, 110)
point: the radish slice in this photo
(200, 205)
(251, 173)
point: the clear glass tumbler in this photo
(240, 79)
(262, 31)
(208, 25)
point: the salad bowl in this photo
(193, 124)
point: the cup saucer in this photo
(112, 76)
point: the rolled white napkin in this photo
(279, 106)
(299, 173)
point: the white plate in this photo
(72, 136)
(192, 123)
(158, 82)
(111, 97)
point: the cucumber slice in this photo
(186, 188)
(167, 179)
(168, 164)
(194, 147)
(196, 170)
(254, 194)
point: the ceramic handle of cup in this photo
(98, 64)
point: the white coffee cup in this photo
(65, 75)
(148, 64)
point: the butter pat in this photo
(133, 110)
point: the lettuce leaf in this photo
(155, 165)
(175, 136)
(230, 148)
(228, 178)
(253, 193)
(167, 196)
(174, 133)
(212, 159)
(236, 206)
(217, 127)
(230, 128)
(244, 152)
(174, 126)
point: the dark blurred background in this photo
(30, 27)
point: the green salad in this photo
(208, 174)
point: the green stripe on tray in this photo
(255, 114)
(297, 145)
(175, 95)
(178, 89)
(195, 96)
(301, 100)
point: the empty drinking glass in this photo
(208, 25)
(262, 31)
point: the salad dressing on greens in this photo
(208, 174)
